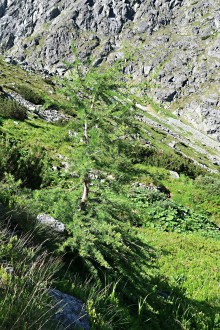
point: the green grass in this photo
(189, 266)
(38, 133)
(130, 275)
(31, 86)
(198, 195)
(25, 274)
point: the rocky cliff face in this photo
(175, 45)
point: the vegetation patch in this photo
(29, 94)
(11, 109)
(141, 248)
(25, 272)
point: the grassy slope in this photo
(189, 266)
(180, 276)
(25, 274)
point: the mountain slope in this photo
(139, 233)
(175, 45)
(125, 191)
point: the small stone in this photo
(174, 175)
(49, 221)
(9, 270)
(172, 144)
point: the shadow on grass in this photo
(152, 303)
(32, 124)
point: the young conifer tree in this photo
(106, 143)
(106, 115)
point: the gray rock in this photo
(146, 186)
(70, 311)
(172, 144)
(51, 115)
(49, 221)
(176, 44)
(174, 175)
(196, 140)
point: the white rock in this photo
(174, 175)
(49, 221)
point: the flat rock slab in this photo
(71, 313)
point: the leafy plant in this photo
(155, 210)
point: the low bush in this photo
(29, 94)
(201, 194)
(156, 211)
(210, 183)
(174, 162)
(32, 166)
(11, 109)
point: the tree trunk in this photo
(85, 194)
(86, 131)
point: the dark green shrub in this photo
(174, 162)
(30, 165)
(49, 81)
(29, 94)
(210, 183)
(11, 109)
